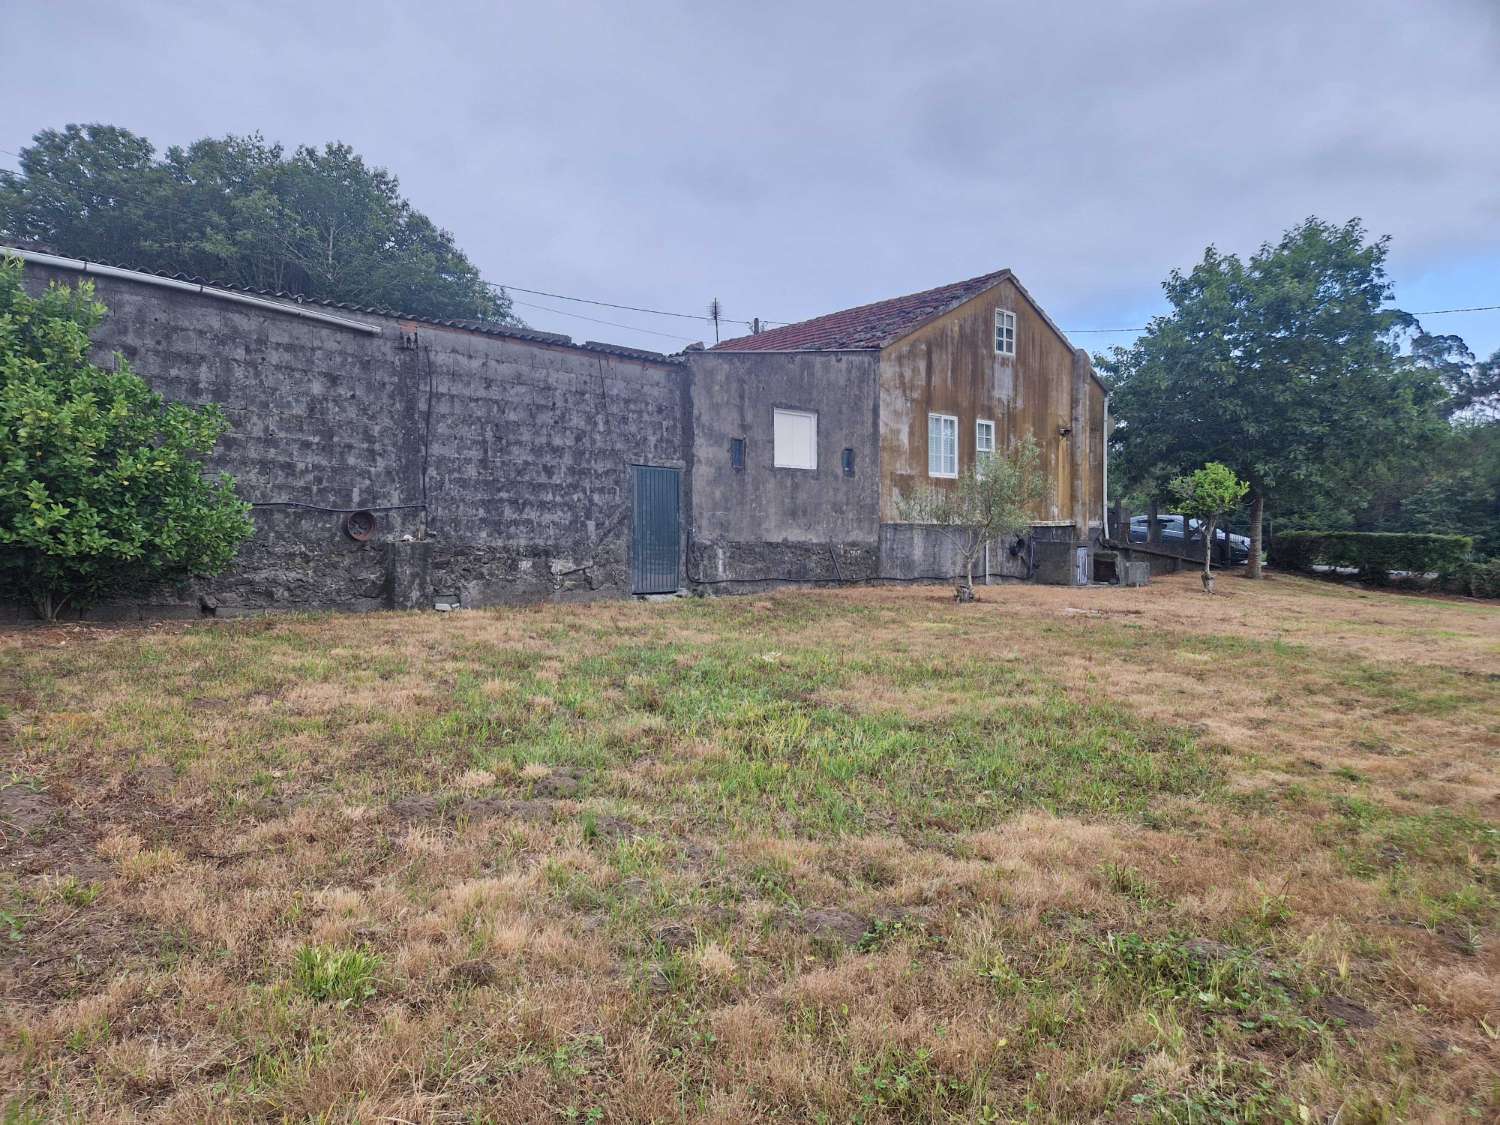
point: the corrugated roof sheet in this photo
(510, 332)
(867, 327)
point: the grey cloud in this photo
(792, 158)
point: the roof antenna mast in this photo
(715, 310)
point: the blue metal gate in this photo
(655, 531)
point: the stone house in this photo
(396, 461)
(805, 437)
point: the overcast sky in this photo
(795, 158)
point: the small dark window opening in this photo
(737, 454)
(848, 462)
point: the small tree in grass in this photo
(101, 482)
(991, 500)
(1206, 495)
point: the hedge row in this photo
(1478, 578)
(1373, 552)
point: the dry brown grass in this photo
(855, 855)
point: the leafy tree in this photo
(1283, 368)
(1454, 486)
(1473, 387)
(1456, 491)
(1206, 495)
(991, 500)
(318, 222)
(1450, 360)
(101, 481)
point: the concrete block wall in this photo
(520, 449)
(529, 479)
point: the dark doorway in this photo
(655, 531)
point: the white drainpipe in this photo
(1106, 465)
(94, 268)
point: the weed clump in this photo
(343, 976)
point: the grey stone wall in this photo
(520, 450)
(912, 552)
(766, 525)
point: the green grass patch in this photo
(341, 976)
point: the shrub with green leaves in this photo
(991, 500)
(1375, 553)
(102, 484)
(1478, 578)
(1207, 494)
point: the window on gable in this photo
(848, 462)
(984, 439)
(942, 445)
(795, 437)
(737, 454)
(1005, 332)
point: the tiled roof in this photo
(867, 327)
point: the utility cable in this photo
(502, 286)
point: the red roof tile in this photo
(868, 326)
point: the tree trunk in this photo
(1257, 514)
(47, 607)
(1208, 556)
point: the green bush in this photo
(1375, 553)
(1477, 578)
(102, 488)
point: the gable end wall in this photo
(949, 367)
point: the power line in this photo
(104, 190)
(623, 308)
(595, 320)
(1440, 312)
(123, 197)
(635, 308)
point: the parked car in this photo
(1172, 539)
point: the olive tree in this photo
(992, 499)
(1206, 495)
(102, 485)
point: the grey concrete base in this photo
(1054, 554)
(408, 575)
(729, 567)
(913, 552)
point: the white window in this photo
(942, 445)
(984, 440)
(795, 439)
(1005, 332)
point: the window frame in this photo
(942, 418)
(980, 426)
(776, 462)
(1005, 332)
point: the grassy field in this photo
(840, 856)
